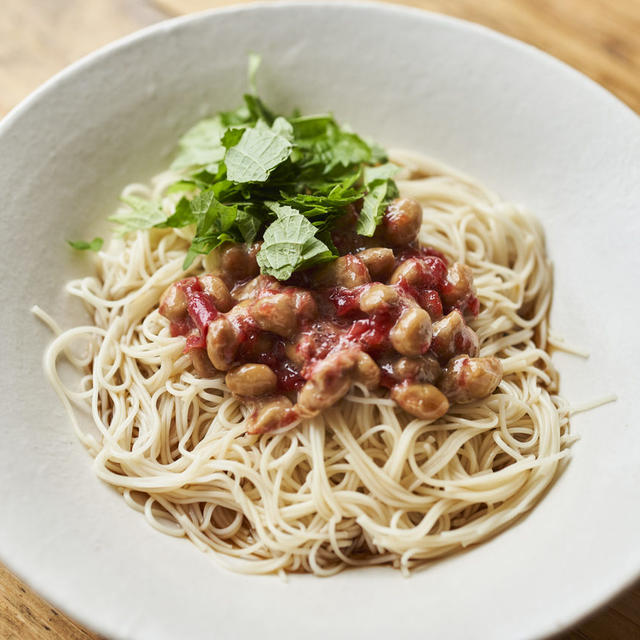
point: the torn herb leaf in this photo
(201, 146)
(260, 150)
(290, 243)
(82, 245)
(251, 174)
(139, 214)
(214, 222)
(181, 217)
(373, 207)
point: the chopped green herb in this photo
(380, 172)
(248, 224)
(252, 174)
(290, 243)
(214, 221)
(381, 189)
(232, 136)
(372, 208)
(201, 146)
(183, 215)
(182, 186)
(259, 151)
(252, 71)
(81, 245)
(141, 214)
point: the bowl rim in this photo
(607, 592)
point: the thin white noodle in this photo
(558, 342)
(44, 317)
(574, 409)
(361, 484)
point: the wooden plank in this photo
(38, 38)
(609, 625)
(26, 616)
(628, 605)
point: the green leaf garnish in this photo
(214, 221)
(232, 136)
(82, 245)
(259, 151)
(381, 188)
(181, 217)
(251, 174)
(140, 214)
(182, 186)
(290, 243)
(201, 146)
(253, 64)
(380, 172)
(372, 209)
(248, 224)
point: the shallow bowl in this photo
(523, 123)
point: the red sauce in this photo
(346, 301)
(201, 313)
(248, 331)
(469, 304)
(318, 340)
(417, 251)
(430, 301)
(181, 328)
(289, 378)
(473, 306)
(371, 334)
(387, 379)
(288, 374)
(342, 324)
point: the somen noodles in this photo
(360, 483)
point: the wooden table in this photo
(38, 38)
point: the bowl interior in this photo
(523, 123)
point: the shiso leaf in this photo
(258, 152)
(290, 243)
(139, 214)
(82, 245)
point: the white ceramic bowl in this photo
(525, 124)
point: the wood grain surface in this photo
(601, 38)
